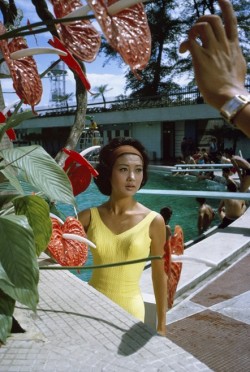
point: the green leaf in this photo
(42, 171)
(37, 211)
(5, 199)
(7, 305)
(18, 260)
(10, 174)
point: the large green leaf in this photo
(7, 305)
(37, 211)
(5, 199)
(42, 171)
(18, 259)
(11, 175)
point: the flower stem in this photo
(149, 258)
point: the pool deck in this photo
(78, 329)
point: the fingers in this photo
(200, 33)
(210, 28)
(230, 19)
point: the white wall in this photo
(150, 136)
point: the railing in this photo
(181, 97)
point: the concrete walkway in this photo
(78, 329)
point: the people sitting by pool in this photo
(242, 167)
(205, 215)
(208, 175)
(197, 154)
(227, 175)
(166, 213)
(123, 229)
(224, 157)
(190, 160)
(230, 209)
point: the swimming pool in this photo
(185, 209)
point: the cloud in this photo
(115, 83)
(115, 86)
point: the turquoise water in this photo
(185, 209)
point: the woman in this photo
(124, 229)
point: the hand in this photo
(219, 65)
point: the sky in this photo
(112, 74)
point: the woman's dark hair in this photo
(166, 213)
(106, 162)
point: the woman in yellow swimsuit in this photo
(123, 229)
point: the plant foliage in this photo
(30, 183)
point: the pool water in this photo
(185, 209)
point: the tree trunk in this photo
(79, 122)
(81, 94)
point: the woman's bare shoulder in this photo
(158, 221)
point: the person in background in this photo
(184, 148)
(197, 155)
(227, 175)
(242, 167)
(219, 65)
(224, 157)
(123, 229)
(213, 149)
(205, 215)
(230, 209)
(191, 146)
(166, 213)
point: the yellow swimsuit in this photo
(120, 283)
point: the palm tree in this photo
(100, 91)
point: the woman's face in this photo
(127, 175)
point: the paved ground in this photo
(78, 329)
(214, 323)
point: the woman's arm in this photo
(237, 168)
(159, 278)
(219, 65)
(221, 209)
(200, 220)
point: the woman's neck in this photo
(121, 205)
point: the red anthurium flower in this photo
(70, 61)
(10, 132)
(127, 32)
(79, 37)
(67, 252)
(26, 79)
(79, 171)
(174, 245)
